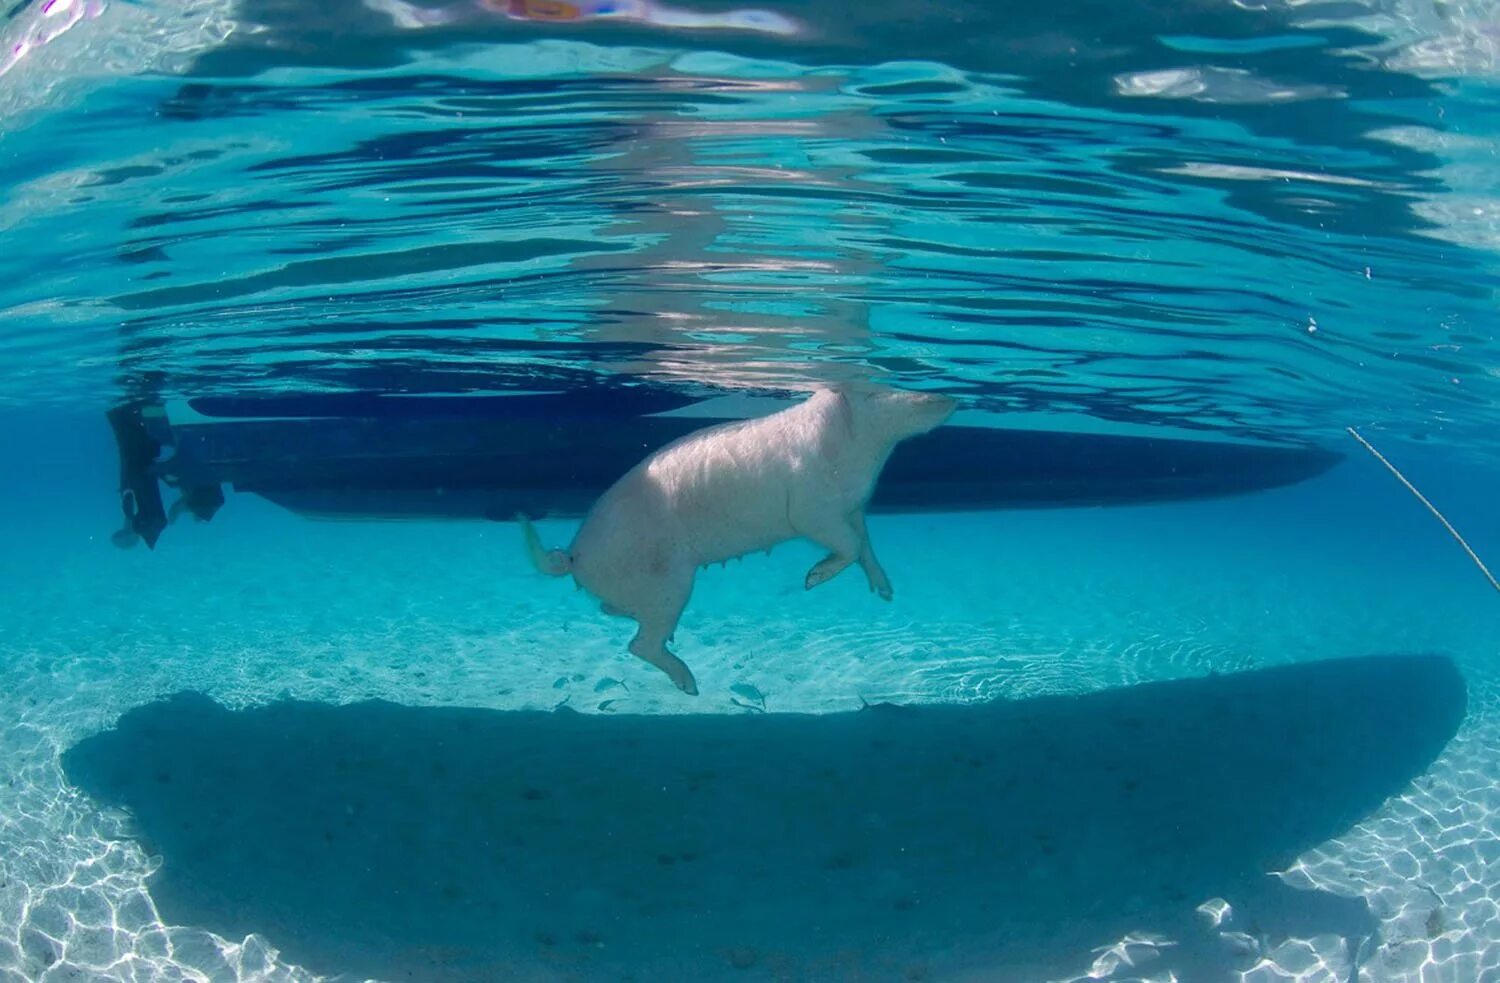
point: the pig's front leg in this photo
(835, 532)
(879, 582)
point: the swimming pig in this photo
(733, 489)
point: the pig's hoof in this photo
(817, 575)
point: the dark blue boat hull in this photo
(545, 454)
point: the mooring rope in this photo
(1430, 507)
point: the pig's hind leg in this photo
(657, 613)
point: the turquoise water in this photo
(1250, 736)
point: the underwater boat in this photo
(357, 456)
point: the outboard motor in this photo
(140, 494)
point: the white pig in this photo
(733, 489)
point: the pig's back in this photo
(729, 488)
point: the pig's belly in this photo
(725, 527)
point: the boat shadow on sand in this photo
(1001, 841)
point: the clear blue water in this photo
(1169, 736)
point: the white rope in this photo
(1430, 507)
